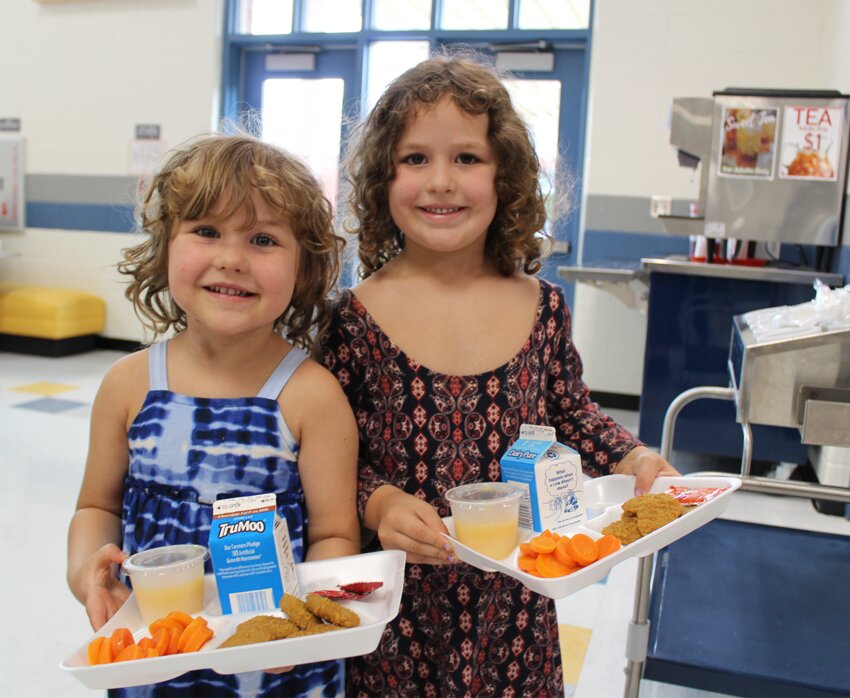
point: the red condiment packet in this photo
(361, 587)
(693, 496)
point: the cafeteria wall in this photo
(81, 75)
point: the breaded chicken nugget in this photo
(296, 610)
(332, 611)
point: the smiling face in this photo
(232, 275)
(443, 195)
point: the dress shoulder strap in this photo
(157, 366)
(282, 373)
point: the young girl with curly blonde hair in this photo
(238, 257)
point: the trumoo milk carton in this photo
(251, 554)
(550, 473)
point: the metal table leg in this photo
(638, 636)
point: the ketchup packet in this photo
(693, 496)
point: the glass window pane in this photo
(388, 60)
(539, 104)
(554, 14)
(474, 14)
(314, 134)
(265, 16)
(332, 16)
(401, 14)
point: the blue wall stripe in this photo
(612, 248)
(96, 217)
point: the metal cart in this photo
(801, 382)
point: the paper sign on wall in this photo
(11, 183)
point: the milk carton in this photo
(550, 473)
(251, 554)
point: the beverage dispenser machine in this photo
(774, 164)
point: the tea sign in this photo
(811, 142)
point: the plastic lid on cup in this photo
(166, 559)
(483, 492)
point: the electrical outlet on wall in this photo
(660, 206)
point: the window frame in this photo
(572, 127)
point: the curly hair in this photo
(218, 173)
(514, 239)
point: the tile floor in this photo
(44, 410)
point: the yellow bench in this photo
(49, 321)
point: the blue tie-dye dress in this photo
(186, 452)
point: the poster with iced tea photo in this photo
(811, 143)
(748, 145)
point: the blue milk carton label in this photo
(550, 474)
(251, 554)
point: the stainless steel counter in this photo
(680, 265)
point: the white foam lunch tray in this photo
(375, 611)
(604, 497)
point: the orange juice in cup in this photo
(168, 578)
(486, 516)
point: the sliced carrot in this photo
(183, 618)
(562, 553)
(146, 642)
(160, 640)
(542, 544)
(130, 652)
(121, 638)
(526, 563)
(198, 639)
(582, 548)
(173, 641)
(198, 622)
(525, 549)
(166, 623)
(106, 656)
(94, 649)
(608, 544)
(548, 566)
(151, 652)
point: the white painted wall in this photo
(80, 75)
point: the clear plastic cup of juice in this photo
(168, 578)
(486, 516)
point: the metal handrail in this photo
(638, 634)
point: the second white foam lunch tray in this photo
(604, 497)
(375, 611)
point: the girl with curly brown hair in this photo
(237, 259)
(446, 347)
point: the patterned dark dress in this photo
(185, 452)
(460, 631)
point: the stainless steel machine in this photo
(801, 382)
(773, 164)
